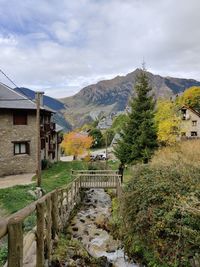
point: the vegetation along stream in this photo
(90, 226)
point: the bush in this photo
(46, 164)
(97, 165)
(160, 209)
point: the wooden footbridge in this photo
(99, 179)
(51, 213)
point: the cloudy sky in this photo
(61, 46)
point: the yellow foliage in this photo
(75, 143)
(191, 97)
(167, 121)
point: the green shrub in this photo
(161, 214)
(3, 254)
(46, 164)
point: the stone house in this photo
(18, 133)
(190, 124)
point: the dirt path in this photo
(12, 180)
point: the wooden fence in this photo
(52, 213)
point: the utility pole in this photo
(38, 140)
(106, 149)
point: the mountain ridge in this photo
(112, 95)
(107, 97)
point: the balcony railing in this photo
(52, 148)
(53, 126)
(42, 131)
(189, 137)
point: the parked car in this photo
(101, 156)
(92, 157)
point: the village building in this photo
(18, 133)
(190, 124)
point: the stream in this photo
(90, 226)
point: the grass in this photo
(60, 174)
(17, 197)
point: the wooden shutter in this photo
(20, 118)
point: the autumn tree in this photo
(191, 98)
(138, 136)
(76, 144)
(168, 122)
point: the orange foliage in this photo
(75, 143)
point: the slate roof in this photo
(10, 99)
(105, 123)
(58, 128)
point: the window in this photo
(194, 123)
(193, 133)
(183, 134)
(21, 148)
(183, 114)
(20, 118)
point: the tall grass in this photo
(185, 153)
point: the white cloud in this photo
(65, 45)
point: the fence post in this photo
(15, 244)
(55, 226)
(40, 235)
(48, 227)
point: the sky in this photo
(61, 46)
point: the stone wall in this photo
(9, 133)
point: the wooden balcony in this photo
(52, 148)
(52, 126)
(189, 137)
(60, 139)
(42, 131)
(47, 127)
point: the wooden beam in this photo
(40, 235)
(15, 244)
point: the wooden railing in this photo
(99, 179)
(51, 212)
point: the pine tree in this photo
(138, 138)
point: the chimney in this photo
(40, 95)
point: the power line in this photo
(8, 78)
(17, 87)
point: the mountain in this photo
(48, 101)
(108, 96)
(51, 103)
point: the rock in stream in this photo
(90, 226)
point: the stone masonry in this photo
(9, 133)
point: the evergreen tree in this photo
(138, 137)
